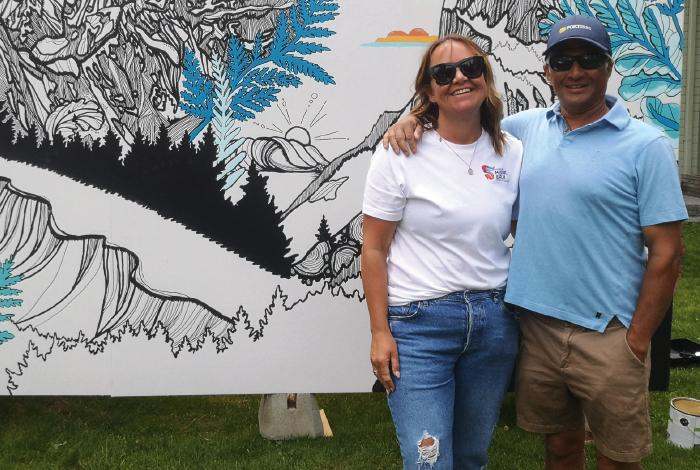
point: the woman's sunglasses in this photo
(471, 67)
(590, 61)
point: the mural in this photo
(180, 182)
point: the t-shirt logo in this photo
(492, 173)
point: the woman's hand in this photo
(404, 135)
(385, 359)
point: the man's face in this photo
(579, 89)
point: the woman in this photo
(434, 263)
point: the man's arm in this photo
(663, 266)
(377, 235)
(404, 135)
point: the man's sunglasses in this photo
(471, 67)
(590, 61)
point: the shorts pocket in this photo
(631, 353)
(404, 312)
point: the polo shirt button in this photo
(598, 315)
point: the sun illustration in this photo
(299, 130)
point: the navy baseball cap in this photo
(585, 28)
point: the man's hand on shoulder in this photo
(404, 135)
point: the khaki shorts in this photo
(566, 371)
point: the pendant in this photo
(471, 172)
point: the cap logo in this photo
(574, 26)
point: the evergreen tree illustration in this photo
(8, 295)
(6, 132)
(324, 232)
(260, 237)
(111, 145)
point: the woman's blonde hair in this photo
(491, 109)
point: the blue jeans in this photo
(456, 356)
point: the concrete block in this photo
(284, 416)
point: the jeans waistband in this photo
(472, 294)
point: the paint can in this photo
(684, 423)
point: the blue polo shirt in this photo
(585, 196)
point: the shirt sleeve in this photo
(384, 196)
(659, 193)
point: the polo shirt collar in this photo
(617, 115)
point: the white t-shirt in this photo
(452, 225)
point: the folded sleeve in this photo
(384, 196)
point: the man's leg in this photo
(564, 450)
(545, 404)
(611, 383)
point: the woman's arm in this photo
(376, 239)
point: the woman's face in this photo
(462, 94)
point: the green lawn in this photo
(221, 432)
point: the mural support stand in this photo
(284, 416)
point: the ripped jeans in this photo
(456, 356)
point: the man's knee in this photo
(564, 444)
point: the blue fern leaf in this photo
(233, 178)
(634, 63)
(237, 59)
(673, 8)
(323, 17)
(256, 98)
(306, 48)
(304, 67)
(323, 6)
(240, 113)
(583, 7)
(232, 164)
(7, 279)
(607, 15)
(7, 303)
(317, 32)
(5, 317)
(196, 98)
(545, 25)
(285, 79)
(637, 86)
(223, 124)
(655, 34)
(257, 46)
(281, 35)
(566, 8)
(296, 23)
(666, 116)
(8, 291)
(5, 336)
(631, 20)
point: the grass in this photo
(222, 431)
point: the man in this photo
(595, 187)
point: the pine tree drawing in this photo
(260, 236)
(8, 295)
(324, 232)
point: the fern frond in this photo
(237, 58)
(281, 35)
(304, 67)
(306, 48)
(257, 46)
(256, 98)
(317, 32)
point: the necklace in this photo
(469, 165)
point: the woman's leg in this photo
(428, 336)
(482, 375)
